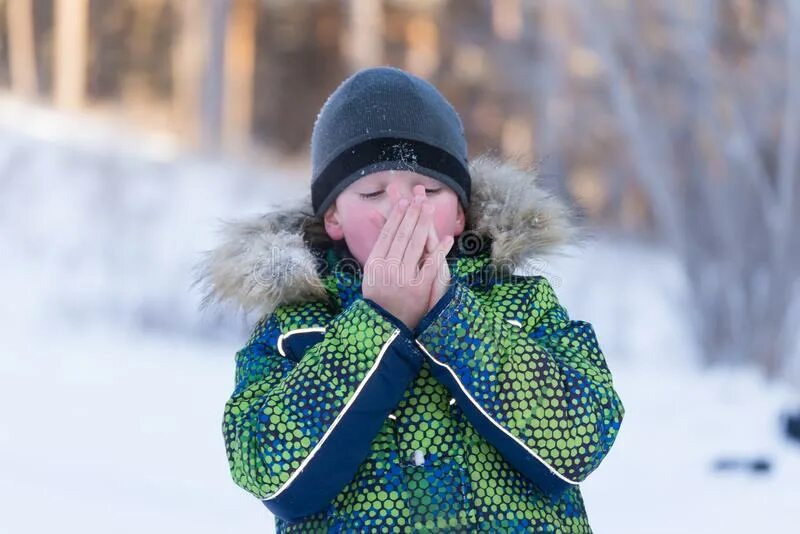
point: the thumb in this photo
(440, 253)
(433, 262)
(430, 246)
(445, 244)
(432, 241)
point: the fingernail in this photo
(403, 202)
(418, 199)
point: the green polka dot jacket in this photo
(484, 418)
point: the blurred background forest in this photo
(128, 128)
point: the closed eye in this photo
(377, 193)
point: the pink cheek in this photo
(361, 239)
(444, 221)
(375, 220)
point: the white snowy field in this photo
(112, 384)
(107, 430)
(104, 431)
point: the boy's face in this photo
(361, 209)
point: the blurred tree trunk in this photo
(22, 58)
(239, 71)
(199, 69)
(71, 46)
(187, 65)
(364, 37)
(213, 81)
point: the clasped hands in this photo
(406, 272)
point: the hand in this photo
(393, 277)
(438, 256)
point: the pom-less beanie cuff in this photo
(389, 153)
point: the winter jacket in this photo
(483, 418)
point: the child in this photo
(388, 387)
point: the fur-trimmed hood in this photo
(269, 260)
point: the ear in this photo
(461, 220)
(333, 225)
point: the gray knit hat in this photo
(384, 118)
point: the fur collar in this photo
(272, 259)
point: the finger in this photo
(385, 238)
(433, 240)
(433, 263)
(404, 231)
(443, 247)
(442, 269)
(416, 244)
(430, 244)
(393, 190)
(449, 243)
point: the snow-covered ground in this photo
(112, 385)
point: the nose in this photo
(397, 191)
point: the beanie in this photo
(383, 118)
